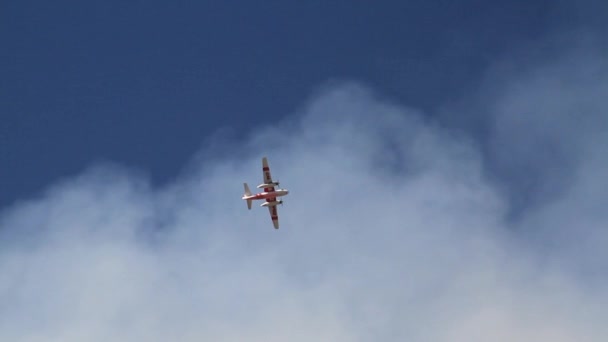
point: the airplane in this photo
(270, 194)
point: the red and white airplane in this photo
(270, 194)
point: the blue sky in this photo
(143, 83)
(446, 166)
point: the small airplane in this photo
(270, 194)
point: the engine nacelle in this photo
(271, 204)
(268, 185)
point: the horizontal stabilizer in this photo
(247, 191)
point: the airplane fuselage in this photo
(267, 194)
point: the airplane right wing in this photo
(266, 171)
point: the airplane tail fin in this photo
(247, 193)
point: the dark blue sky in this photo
(144, 82)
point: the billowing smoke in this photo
(396, 228)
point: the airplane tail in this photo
(247, 193)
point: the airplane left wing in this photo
(274, 215)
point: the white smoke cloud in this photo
(390, 232)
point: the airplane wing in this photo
(274, 215)
(266, 174)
